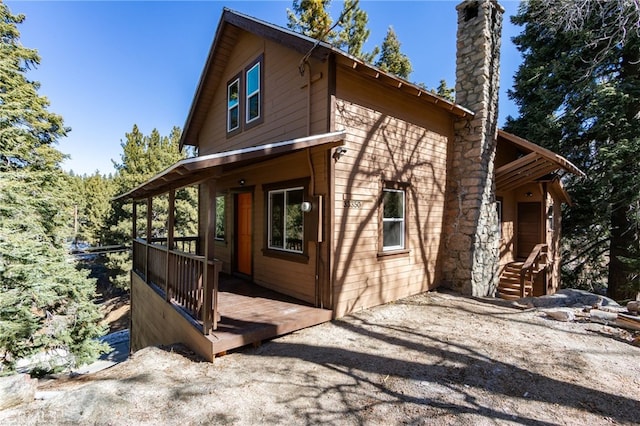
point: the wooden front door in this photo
(244, 233)
(529, 222)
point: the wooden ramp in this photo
(250, 313)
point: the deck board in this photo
(250, 313)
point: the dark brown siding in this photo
(285, 98)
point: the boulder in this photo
(16, 389)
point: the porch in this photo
(173, 303)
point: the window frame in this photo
(277, 252)
(221, 218)
(235, 79)
(403, 248)
(249, 123)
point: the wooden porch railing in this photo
(182, 277)
(184, 244)
(531, 266)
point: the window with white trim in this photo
(253, 100)
(233, 105)
(393, 219)
(286, 220)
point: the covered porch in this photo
(242, 313)
(529, 195)
(177, 294)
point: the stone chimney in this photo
(471, 256)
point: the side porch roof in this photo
(535, 164)
(194, 170)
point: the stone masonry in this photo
(471, 256)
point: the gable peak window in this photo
(245, 98)
(233, 105)
(253, 92)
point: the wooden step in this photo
(509, 284)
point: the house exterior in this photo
(326, 180)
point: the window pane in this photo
(294, 231)
(276, 225)
(253, 110)
(233, 105)
(253, 93)
(234, 93)
(392, 234)
(233, 118)
(253, 79)
(393, 204)
(220, 205)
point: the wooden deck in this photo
(250, 313)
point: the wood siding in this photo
(285, 98)
(391, 137)
(293, 278)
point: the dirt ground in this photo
(435, 358)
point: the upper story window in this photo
(253, 93)
(233, 105)
(245, 98)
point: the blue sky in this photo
(106, 66)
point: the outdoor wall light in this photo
(305, 206)
(529, 194)
(339, 152)
(241, 182)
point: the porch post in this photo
(170, 230)
(210, 278)
(149, 228)
(134, 218)
(134, 233)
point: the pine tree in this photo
(391, 59)
(354, 32)
(45, 302)
(578, 93)
(93, 203)
(445, 91)
(310, 17)
(141, 159)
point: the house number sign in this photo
(352, 204)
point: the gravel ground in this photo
(435, 358)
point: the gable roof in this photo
(538, 162)
(229, 27)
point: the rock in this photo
(564, 315)
(16, 389)
(570, 297)
(633, 307)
